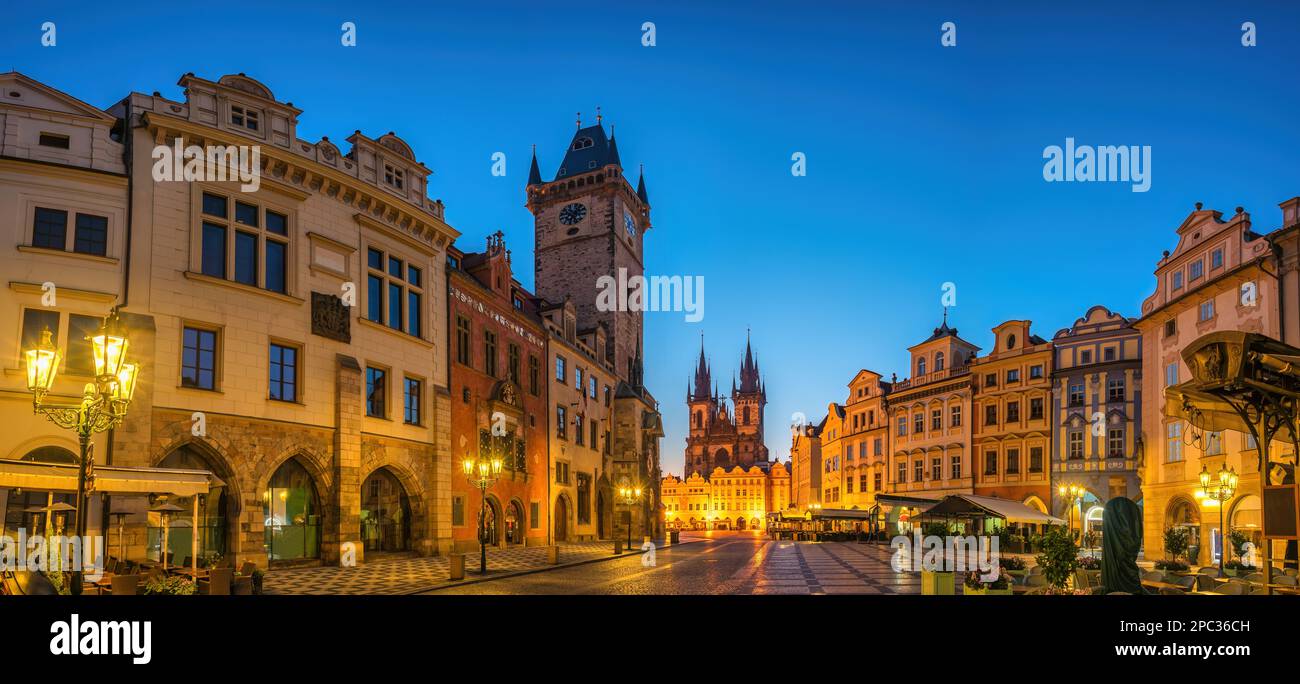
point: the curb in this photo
(533, 571)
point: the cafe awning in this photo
(62, 477)
(971, 505)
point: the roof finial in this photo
(945, 315)
(599, 117)
(579, 121)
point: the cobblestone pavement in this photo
(725, 563)
(408, 575)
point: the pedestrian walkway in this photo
(786, 567)
(409, 575)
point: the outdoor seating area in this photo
(132, 578)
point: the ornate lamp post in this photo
(629, 495)
(103, 402)
(1072, 494)
(482, 472)
(1220, 488)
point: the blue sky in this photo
(924, 163)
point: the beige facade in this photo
(63, 199)
(865, 441)
(930, 417)
(1219, 276)
(735, 499)
(806, 465)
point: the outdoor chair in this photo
(1290, 572)
(1287, 580)
(1170, 591)
(1188, 582)
(1153, 576)
(1255, 577)
(126, 585)
(1205, 582)
(1232, 589)
(218, 582)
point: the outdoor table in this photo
(1163, 585)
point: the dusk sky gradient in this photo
(924, 163)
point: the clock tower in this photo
(591, 222)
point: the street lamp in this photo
(102, 407)
(1070, 494)
(629, 495)
(482, 472)
(1220, 489)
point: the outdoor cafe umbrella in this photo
(166, 509)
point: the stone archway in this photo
(386, 513)
(292, 511)
(514, 523)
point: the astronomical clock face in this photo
(572, 213)
(629, 224)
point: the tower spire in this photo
(534, 173)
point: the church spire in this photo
(749, 379)
(640, 186)
(702, 375)
(534, 173)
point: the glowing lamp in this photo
(109, 348)
(124, 388)
(42, 364)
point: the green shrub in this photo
(1060, 556)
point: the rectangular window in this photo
(1216, 259)
(91, 235)
(1206, 310)
(560, 373)
(902, 470)
(1013, 375)
(37, 320)
(991, 414)
(245, 117)
(876, 481)
(1115, 390)
(534, 371)
(1213, 443)
(848, 485)
(464, 352)
(918, 470)
(591, 386)
(936, 468)
(991, 463)
(1176, 282)
(1195, 270)
(936, 419)
(394, 293)
(561, 472)
(956, 467)
(954, 416)
(1075, 445)
(991, 380)
(490, 353)
(1108, 353)
(1171, 374)
(1171, 327)
(918, 423)
(1013, 412)
(376, 392)
(878, 447)
(579, 437)
(412, 392)
(199, 358)
(902, 425)
(80, 358)
(1076, 395)
(1013, 461)
(50, 228)
(283, 375)
(561, 422)
(1174, 441)
(55, 140)
(1035, 459)
(512, 363)
(577, 378)
(1115, 443)
(584, 498)
(252, 250)
(1036, 408)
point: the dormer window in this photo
(245, 117)
(394, 176)
(62, 142)
(1195, 270)
(1177, 281)
(582, 143)
(920, 366)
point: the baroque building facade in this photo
(728, 499)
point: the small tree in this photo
(1177, 541)
(1238, 540)
(1060, 556)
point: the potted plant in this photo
(1172, 567)
(258, 575)
(1089, 563)
(1177, 543)
(937, 582)
(174, 585)
(1060, 556)
(974, 585)
(1015, 566)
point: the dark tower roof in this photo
(702, 375)
(590, 149)
(749, 379)
(534, 173)
(640, 186)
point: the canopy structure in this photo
(62, 477)
(973, 506)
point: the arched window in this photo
(938, 361)
(292, 513)
(216, 509)
(1011, 341)
(920, 366)
(745, 415)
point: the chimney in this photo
(1290, 212)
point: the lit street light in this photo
(1071, 494)
(482, 472)
(102, 407)
(629, 495)
(1220, 490)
